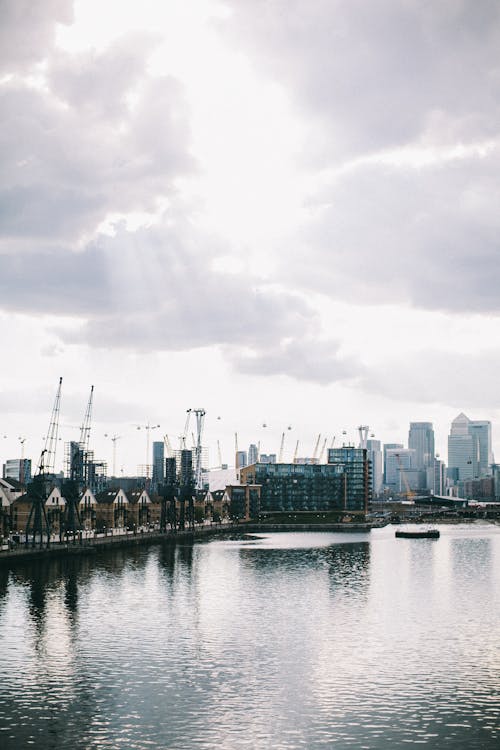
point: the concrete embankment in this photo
(90, 545)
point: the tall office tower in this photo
(241, 459)
(374, 454)
(388, 447)
(158, 463)
(460, 450)
(421, 440)
(469, 449)
(483, 454)
(436, 477)
(253, 454)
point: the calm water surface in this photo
(304, 640)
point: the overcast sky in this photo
(283, 211)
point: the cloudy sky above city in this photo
(285, 212)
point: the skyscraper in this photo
(469, 449)
(388, 447)
(421, 440)
(158, 463)
(253, 454)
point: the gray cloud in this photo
(307, 359)
(438, 376)
(379, 74)
(102, 138)
(153, 289)
(27, 30)
(426, 237)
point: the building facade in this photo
(421, 440)
(158, 464)
(470, 454)
(374, 454)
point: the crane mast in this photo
(37, 520)
(200, 418)
(47, 461)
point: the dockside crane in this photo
(38, 489)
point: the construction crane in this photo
(315, 453)
(183, 437)
(166, 441)
(200, 418)
(38, 490)
(113, 439)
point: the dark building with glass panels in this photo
(299, 487)
(158, 463)
(354, 462)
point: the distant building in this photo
(298, 487)
(469, 449)
(401, 473)
(241, 459)
(18, 468)
(374, 453)
(158, 464)
(253, 454)
(267, 458)
(479, 490)
(421, 440)
(436, 477)
(388, 447)
(243, 501)
(358, 480)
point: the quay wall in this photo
(90, 545)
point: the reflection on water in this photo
(284, 641)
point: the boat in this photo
(418, 534)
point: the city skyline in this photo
(197, 212)
(145, 437)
